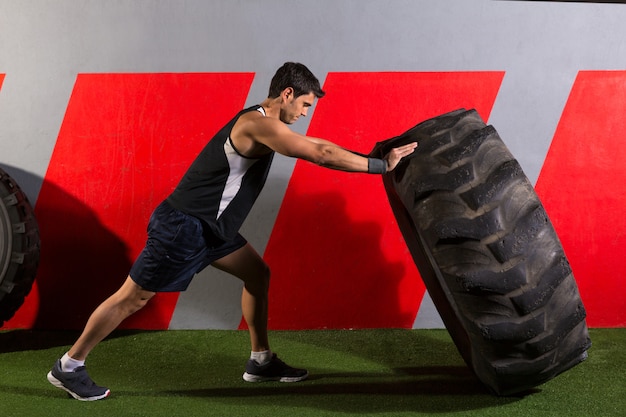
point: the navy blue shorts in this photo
(178, 247)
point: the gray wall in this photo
(540, 45)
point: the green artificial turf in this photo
(359, 373)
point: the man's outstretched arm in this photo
(278, 137)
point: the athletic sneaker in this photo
(78, 383)
(274, 370)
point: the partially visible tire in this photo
(19, 247)
(487, 252)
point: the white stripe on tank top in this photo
(238, 165)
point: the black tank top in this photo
(221, 185)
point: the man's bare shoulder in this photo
(254, 123)
(253, 132)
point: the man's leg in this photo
(69, 373)
(124, 302)
(247, 265)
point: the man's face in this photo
(294, 107)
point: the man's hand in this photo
(396, 154)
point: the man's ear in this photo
(287, 93)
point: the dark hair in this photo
(296, 76)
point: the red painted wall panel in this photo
(337, 257)
(582, 188)
(125, 141)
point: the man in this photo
(198, 225)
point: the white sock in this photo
(261, 357)
(69, 365)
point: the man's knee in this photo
(266, 273)
(260, 279)
(135, 302)
(133, 297)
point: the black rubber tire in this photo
(19, 247)
(487, 252)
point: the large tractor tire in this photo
(487, 252)
(19, 247)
